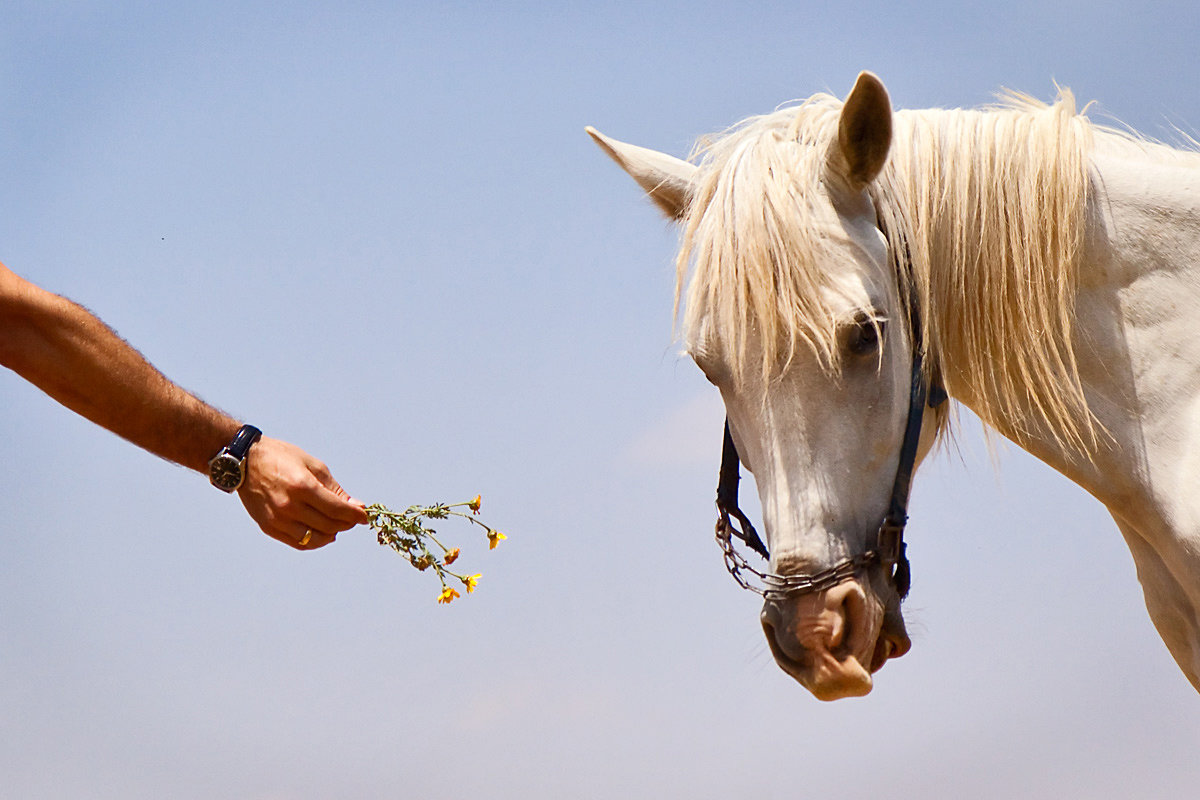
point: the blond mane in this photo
(989, 206)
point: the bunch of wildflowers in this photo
(407, 534)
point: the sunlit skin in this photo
(72, 356)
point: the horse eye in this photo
(865, 336)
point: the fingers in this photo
(333, 501)
(339, 506)
(294, 498)
(300, 538)
(297, 522)
(311, 540)
(317, 520)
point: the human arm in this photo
(71, 355)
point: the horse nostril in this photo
(789, 654)
(846, 607)
(824, 639)
(834, 622)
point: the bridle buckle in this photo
(890, 541)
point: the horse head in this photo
(795, 312)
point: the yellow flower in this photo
(494, 538)
(450, 557)
(474, 504)
(447, 595)
(471, 581)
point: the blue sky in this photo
(379, 231)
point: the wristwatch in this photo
(227, 469)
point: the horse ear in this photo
(668, 180)
(865, 129)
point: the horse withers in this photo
(1032, 264)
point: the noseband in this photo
(889, 550)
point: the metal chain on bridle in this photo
(889, 551)
(776, 587)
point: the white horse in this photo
(1046, 269)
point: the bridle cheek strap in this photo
(727, 498)
(889, 545)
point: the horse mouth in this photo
(792, 666)
(832, 642)
(826, 675)
(884, 648)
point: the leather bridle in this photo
(889, 551)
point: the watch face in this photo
(225, 472)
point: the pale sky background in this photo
(380, 232)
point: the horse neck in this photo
(1138, 356)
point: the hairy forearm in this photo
(75, 358)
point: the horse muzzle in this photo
(832, 641)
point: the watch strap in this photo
(245, 437)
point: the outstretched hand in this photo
(294, 498)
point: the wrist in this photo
(227, 469)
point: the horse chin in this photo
(832, 641)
